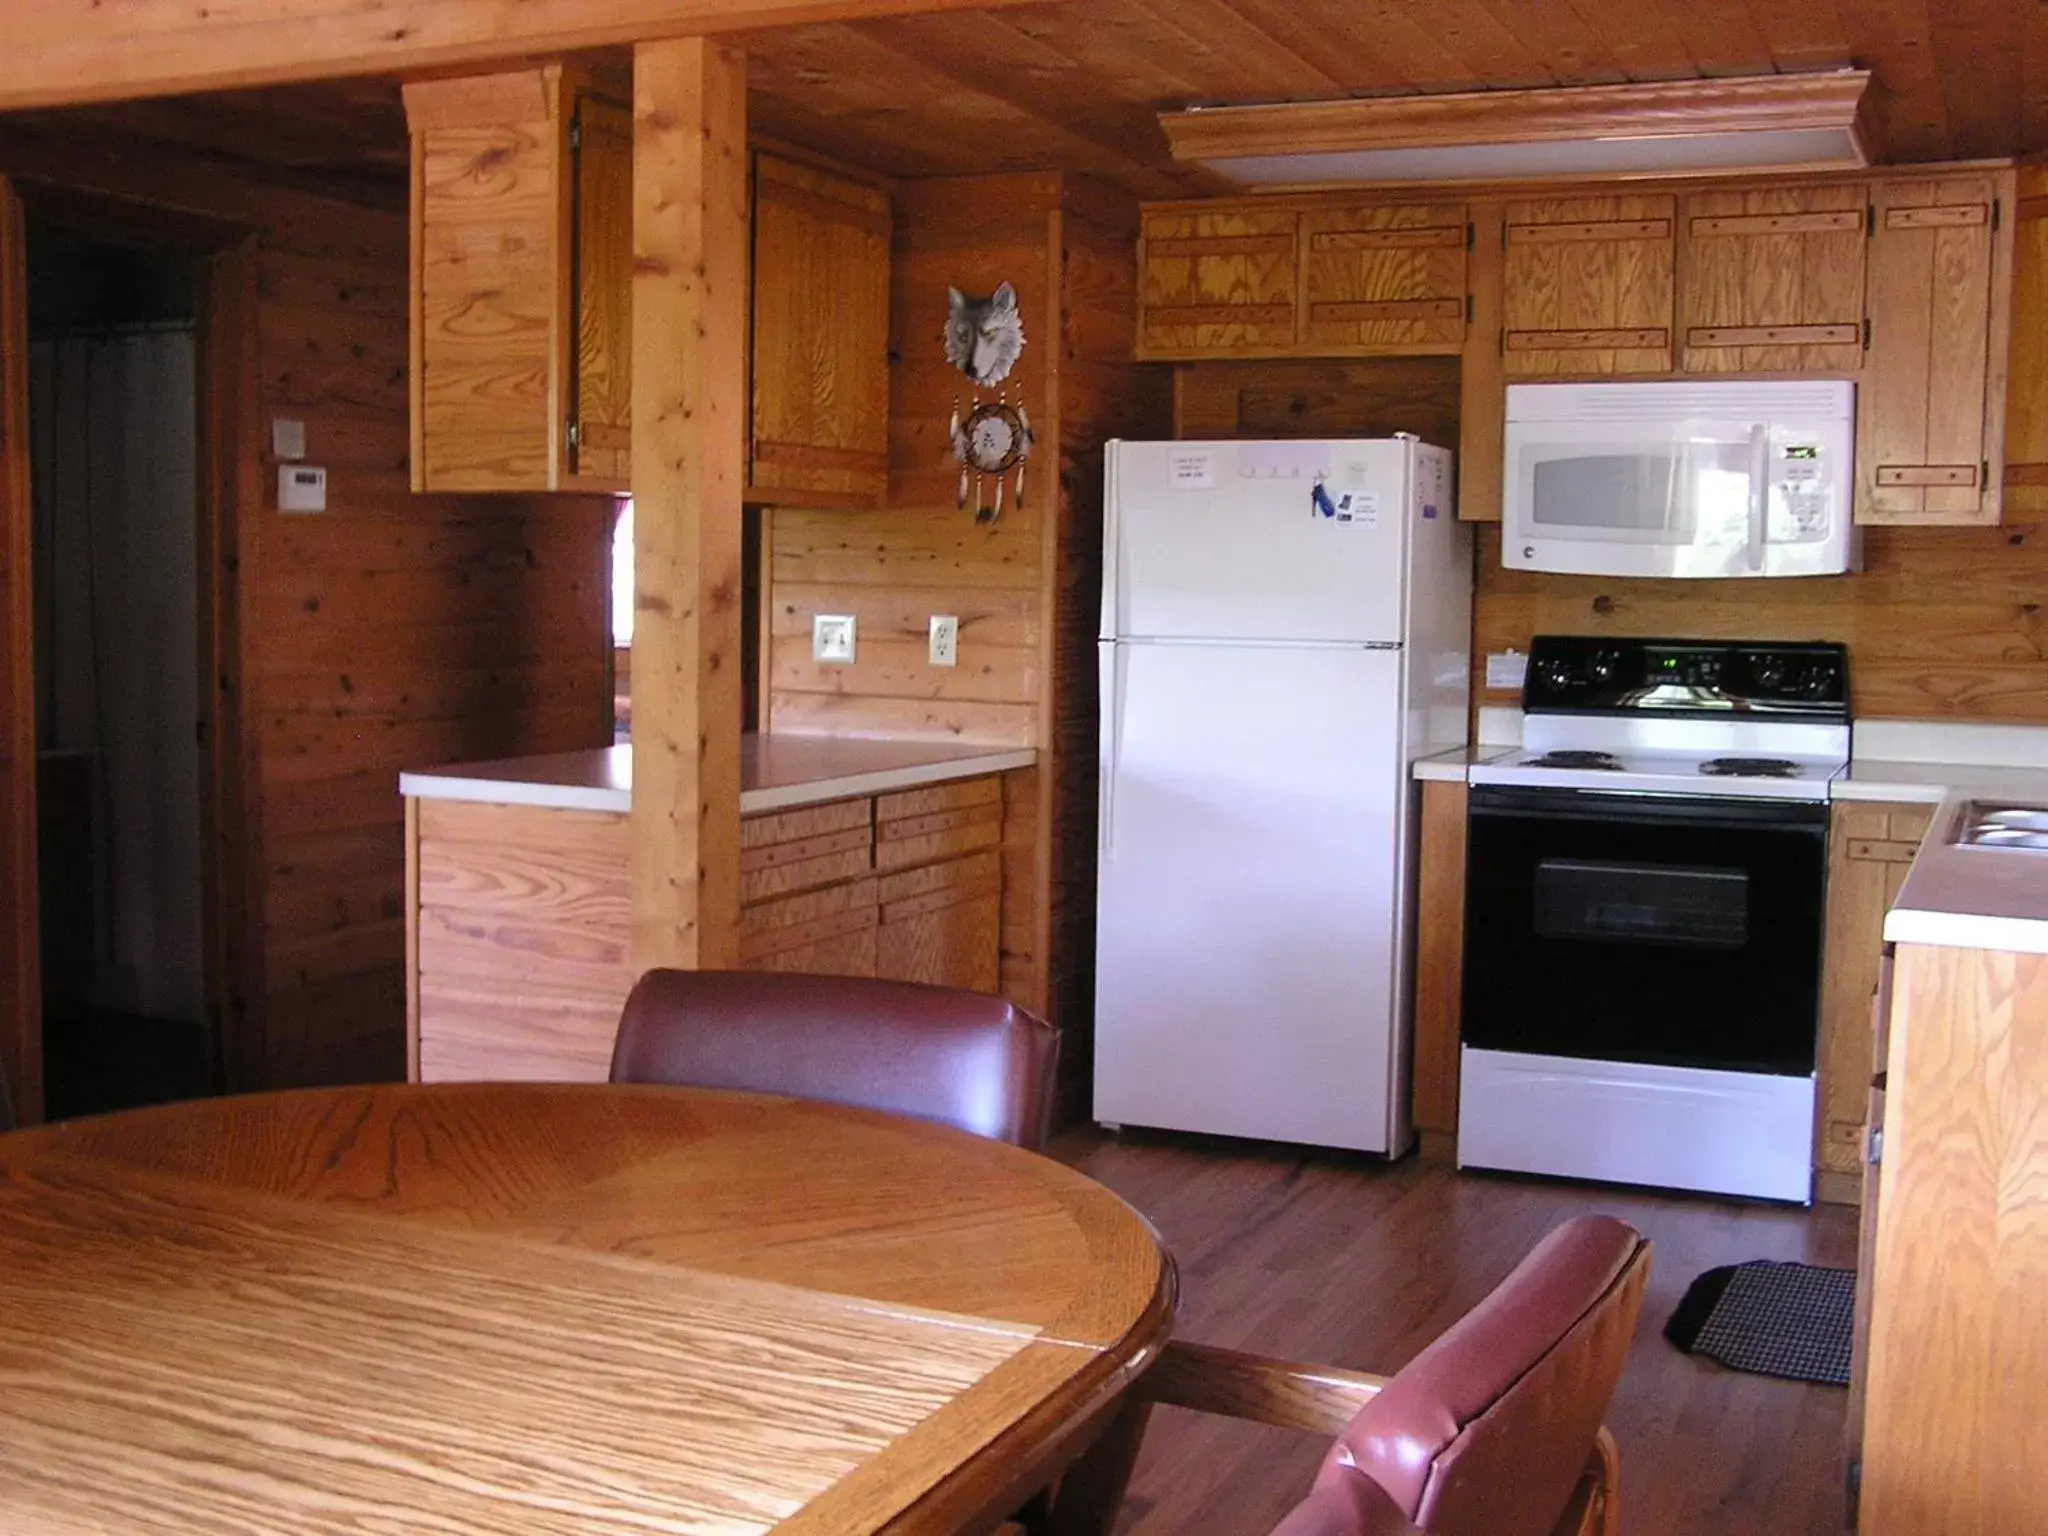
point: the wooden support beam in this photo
(689, 464)
(21, 1001)
(68, 52)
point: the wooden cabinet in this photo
(522, 281)
(518, 917)
(1586, 285)
(1866, 1227)
(1930, 406)
(1953, 1437)
(2024, 484)
(522, 301)
(1218, 282)
(1388, 279)
(1773, 280)
(600, 414)
(807, 889)
(1383, 279)
(1439, 966)
(942, 888)
(1870, 847)
(819, 428)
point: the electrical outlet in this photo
(832, 638)
(945, 646)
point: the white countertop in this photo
(776, 773)
(1922, 760)
(1456, 763)
(1969, 897)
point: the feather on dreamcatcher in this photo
(991, 438)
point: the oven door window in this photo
(1677, 933)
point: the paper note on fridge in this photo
(1192, 471)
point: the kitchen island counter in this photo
(1960, 896)
(776, 773)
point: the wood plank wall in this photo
(893, 569)
(394, 631)
(1101, 395)
(1025, 588)
(1941, 623)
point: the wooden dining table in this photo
(555, 1309)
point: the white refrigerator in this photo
(1285, 628)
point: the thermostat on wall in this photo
(301, 488)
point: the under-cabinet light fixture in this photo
(1661, 128)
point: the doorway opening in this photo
(115, 490)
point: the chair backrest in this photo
(1488, 1431)
(963, 1059)
(1347, 1506)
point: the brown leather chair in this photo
(963, 1059)
(1493, 1430)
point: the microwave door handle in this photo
(1759, 493)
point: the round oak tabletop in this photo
(550, 1309)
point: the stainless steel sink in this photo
(1986, 824)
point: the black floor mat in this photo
(1792, 1320)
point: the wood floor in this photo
(1361, 1264)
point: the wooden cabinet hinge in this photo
(1866, 333)
(1873, 1146)
(575, 133)
(575, 435)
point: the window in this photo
(622, 576)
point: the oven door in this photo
(1674, 930)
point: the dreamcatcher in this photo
(991, 438)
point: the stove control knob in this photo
(1604, 666)
(1818, 680)
(1770, 672)
(1706, 672)
(1554, 673)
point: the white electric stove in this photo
(1645, 894)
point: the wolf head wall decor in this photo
(991, 438)
(984, 336)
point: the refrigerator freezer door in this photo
(1246, 976)
(1256, 541)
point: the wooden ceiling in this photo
(1077, 84)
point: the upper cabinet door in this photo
(820, 338)
(2024, 486)
(600, 437)
(1385, 280)
(1928, 444)
(1774, 280)
(1586, 286)
(1218, 282)
(486, 183)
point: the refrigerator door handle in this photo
(1112, 547)
(1112, 665)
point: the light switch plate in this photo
(832, 638)
(301, 488)
(945, 640)
(288, 439)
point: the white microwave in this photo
(1720, 478)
